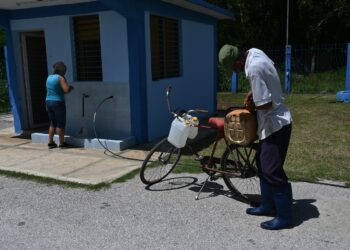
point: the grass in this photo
(330, 82)
(320, 142)
(67, 184)
(127, 177)
(319, 147)
(51, 181)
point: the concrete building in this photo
(126, 50)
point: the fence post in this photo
(234, 81)
(347, 80)
(287, 83)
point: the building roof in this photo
(25, 4)
(203, 7)
(200, 6)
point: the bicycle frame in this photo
(236, 161)
(205, 161)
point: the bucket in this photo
(179, 132)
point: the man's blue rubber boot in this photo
(266, 207)
(283, 198)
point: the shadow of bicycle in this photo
(211, 189)
(172, 183)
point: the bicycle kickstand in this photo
(200, 191)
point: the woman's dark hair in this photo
(59, 68)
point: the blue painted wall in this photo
(12, 80)
(195, 88)
(114, 45)
(138, 107)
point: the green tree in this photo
(2, 38)
(2, 57)
(325, 21)
(262, 23)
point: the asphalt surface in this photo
(164, 216)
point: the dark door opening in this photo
(35, 71)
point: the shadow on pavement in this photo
(172, 183)
(304, 210)
(211, 189)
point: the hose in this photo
(99, 141)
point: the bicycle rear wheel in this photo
(159, 162)
(242, 180)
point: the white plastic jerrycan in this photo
(179, 132)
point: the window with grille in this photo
(165, 50)
(87, 48)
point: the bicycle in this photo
(237, 165)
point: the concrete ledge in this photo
(114, 145)
(53, 176)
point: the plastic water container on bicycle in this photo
(182, 129)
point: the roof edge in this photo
(203, 7)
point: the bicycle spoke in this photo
(241, 178)
(159, 162)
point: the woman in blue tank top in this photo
(56, 88)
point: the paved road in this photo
(127, 216)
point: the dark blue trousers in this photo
(272, 154)
(56, 111)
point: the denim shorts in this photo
(57, 113)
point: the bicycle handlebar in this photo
(168, 90)
(197, 111)
(184, 113)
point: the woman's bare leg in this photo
(51, 134)
(60, 135)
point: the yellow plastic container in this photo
(193, 129)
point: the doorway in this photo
(35, 74)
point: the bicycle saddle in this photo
(218, 122)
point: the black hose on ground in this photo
(98, 139)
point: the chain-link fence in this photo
(315, 69)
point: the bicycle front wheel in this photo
(241, 178)
(159, 162)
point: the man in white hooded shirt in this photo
(274, 131)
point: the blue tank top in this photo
(54, 91)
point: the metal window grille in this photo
(164, 47)
(87, 48)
